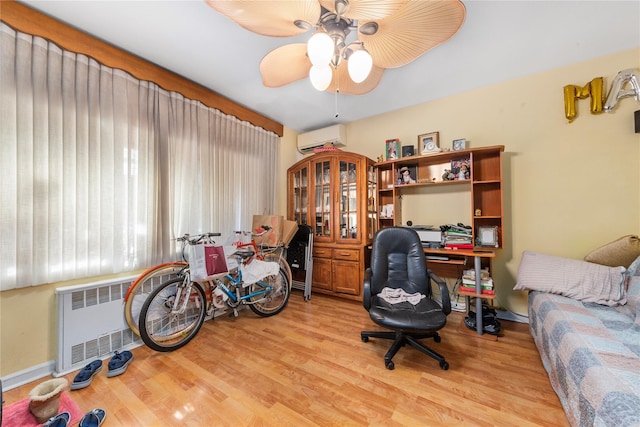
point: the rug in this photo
(17, 414)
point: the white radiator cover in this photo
(91, 323)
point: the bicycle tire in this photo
(273, 302)
(283, 264)
(163, 331)
(143, 286)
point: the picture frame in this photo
(461, 168)
(429, 143)
(487, 236)
(408, 150)
(459, 144)
(392, 149)
(407, 175)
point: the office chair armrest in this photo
(444, 292)
(366, 291)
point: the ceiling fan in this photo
(389, 34)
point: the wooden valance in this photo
(27, 20)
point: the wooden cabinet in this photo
(335, 193)
(483, 183)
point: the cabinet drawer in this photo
(346, 254)
(322, 252)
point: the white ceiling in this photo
(500, 40)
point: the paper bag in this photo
(206, 261)
(290, 230)
(273, 236)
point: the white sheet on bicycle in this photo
(258, 270)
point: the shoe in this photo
(93, 418)
(119, 362)
(60, 420)
(85, 376)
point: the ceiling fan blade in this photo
(342, 81)
(285, 65)
(269, 17)
(416, 28)
(367, 9)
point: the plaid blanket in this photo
(592, 355)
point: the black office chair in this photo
(398, 261)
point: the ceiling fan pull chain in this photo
(336, 98)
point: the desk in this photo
(477, 255)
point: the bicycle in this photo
(156, 275)
(153, 277)
(174, 312)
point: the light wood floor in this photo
(307, 366)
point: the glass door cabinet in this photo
(339, 203)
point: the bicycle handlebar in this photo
(195, 239)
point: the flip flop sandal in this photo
(85, 376)
(60, 420)
(93, 418)
(119, 363)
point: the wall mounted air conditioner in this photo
(335, 135)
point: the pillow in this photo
(634, 268)
(572, 278)
(633, 294)
(619, 252)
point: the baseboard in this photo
(25, 376)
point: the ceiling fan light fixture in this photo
(320, 77)
(320, 48)
(359, 65)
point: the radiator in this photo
(91, 323)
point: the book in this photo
(484, 291)
(483, 286)
(459, 245)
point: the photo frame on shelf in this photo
(487, 236)
(408, 150)
(408, 175)
(429, 143)
(459, 144)
(392, 148)
(461, 169)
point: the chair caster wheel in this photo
(364, 339)
(437, 338)
(444, 365)
(389, 365)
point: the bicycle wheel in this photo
(163, 330)
(274, 301)
(142, 287)
(273, 257)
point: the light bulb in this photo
(320, 48)
(320, 76)
(359, 65)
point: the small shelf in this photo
(472, 294)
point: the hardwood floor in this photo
(307, 366)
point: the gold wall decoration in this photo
(626, 84)
(592, 89)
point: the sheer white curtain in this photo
(99, 171)
(223, 170)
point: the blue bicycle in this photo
(173, 313)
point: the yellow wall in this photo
(568, 187)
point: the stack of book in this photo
(469, 281)
(457, 237)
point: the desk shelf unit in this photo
(484, 182)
